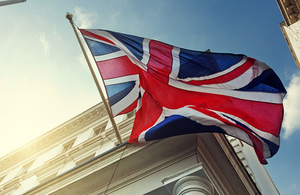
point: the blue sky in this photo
(45, 81)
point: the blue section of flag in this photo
(117, 92)
(99, 48)
(197, 64)
(133, 43)
(273, 147)
(225, 60)
(268, 81)
(178, 125)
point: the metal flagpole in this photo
(107, 107)
(10, 2)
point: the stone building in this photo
(82, 156)
(290, 27)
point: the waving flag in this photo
(178, 91)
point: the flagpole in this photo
(3, 3)
(107, 107)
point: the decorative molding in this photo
(183, 173)
(151, 169)
(289, 40)
(10, 186)
(191, 179)
(193, 184)
(53, 136)
(213, 172)
(224, 168)
(290, 10)
(237, 164)
(104, 165)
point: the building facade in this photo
(82, 156)
(290, 27)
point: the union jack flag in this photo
(178, 91)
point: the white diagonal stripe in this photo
(244, 79)
(110, 56)
(275, 98)
(121, 79)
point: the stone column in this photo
(193, 185)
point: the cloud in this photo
(44, 43)
(292, 107)
(84, 20)
(81, 60)
(114, 18)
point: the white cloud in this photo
(84, 20)
(81, 59)
(45, 43)
(291, 103)
(114, 18)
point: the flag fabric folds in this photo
(178, 91)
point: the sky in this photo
(45, 81)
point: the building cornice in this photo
(53, 136)
(128, 164)
(227, 158)
(284, 29)
(290, 10)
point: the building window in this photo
(99, 129)
(25, 168)
(67, 146)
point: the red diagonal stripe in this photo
(117, 67)
(85, 32)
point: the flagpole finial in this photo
(69, 16)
